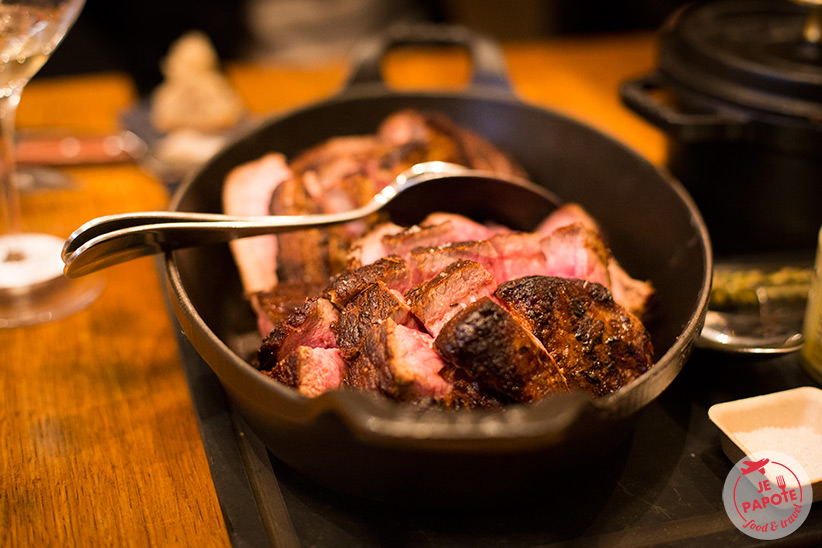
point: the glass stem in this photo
(10, 199)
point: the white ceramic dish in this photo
(789, 422)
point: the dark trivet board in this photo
(662, 487)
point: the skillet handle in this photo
(682, 125)
(486, 56)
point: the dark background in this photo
(132, 36)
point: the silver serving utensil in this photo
(114, 239)
(772, 322)
(748, 334)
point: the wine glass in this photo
(32, 286)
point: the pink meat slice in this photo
(406, 126)
(462, 228)
(402, 243)
(311, 325)
(629, 292)
(414, 360)
(311, 371)
(520, 254)
(574, 251)
(369, 247)
(427, 262)
(568, 214)
(436, 301)
(247, 191)
(318, 370)
(435, 230)
(332, 175)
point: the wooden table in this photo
(98, 441)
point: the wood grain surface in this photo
(98, 440)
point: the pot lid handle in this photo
(683, 125)
(812, 33)
(488, 61)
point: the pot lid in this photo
(761, 54)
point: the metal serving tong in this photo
(511, 201)
(114, 239)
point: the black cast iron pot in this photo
(738, 91)
(368, 446)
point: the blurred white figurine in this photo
(194, 95)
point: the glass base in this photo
(33, 289)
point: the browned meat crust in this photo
(371, 307)
(284, 298)
(309, 325)
(399, 362)
(392, 271)
(427, 262)
(471, 149)
(302, 256)
(493, 346)
(311, 370)
(467, 393)
(598, 345)
(437, 300)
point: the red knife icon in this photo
(751, 466)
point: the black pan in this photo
(365, 445)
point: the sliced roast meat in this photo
(310, 325)
(276, 305)
(494, 347)
(402, 243)
(574, 251)
(436, 229)
(471, 149)
(520, 254)
(247, 191)
(392, 271)
(598, 345)
(513, 342)
(333, 173)
(461, 283)
(467, 393)
(303, 256)
(369, 247)
(336, 175)
(403, 127)
(311, 371)
(631, 293)
(427, 262)
(463, 229)
(567, 214)
(399, 362)
(373, 305)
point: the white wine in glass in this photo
(32, 286)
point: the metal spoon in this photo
(748, 334)
(114, 239)
(772, 322)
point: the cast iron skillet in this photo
(367, 446)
